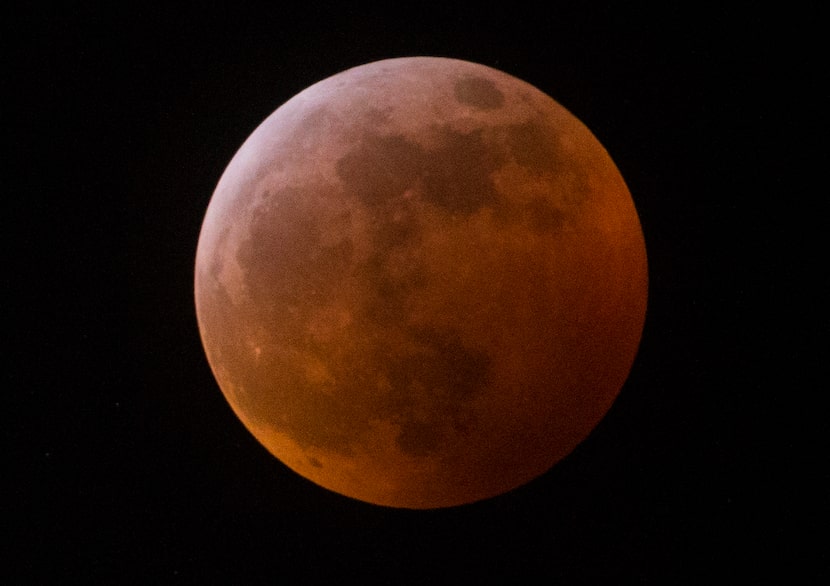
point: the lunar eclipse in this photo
(421, 282)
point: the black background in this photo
(126, 465)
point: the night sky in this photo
(128, 466)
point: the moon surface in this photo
(421, 282)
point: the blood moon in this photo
(421, 282)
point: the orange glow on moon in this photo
(421, 282)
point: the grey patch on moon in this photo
(478, 92)
(453, 176)
(543, 217)
(531, 145)
(458, 174)
(380, 167)
(430, 388)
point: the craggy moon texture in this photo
(421, 282)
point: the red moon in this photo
(421, 282)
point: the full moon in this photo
(421, 282)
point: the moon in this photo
(421, 283)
